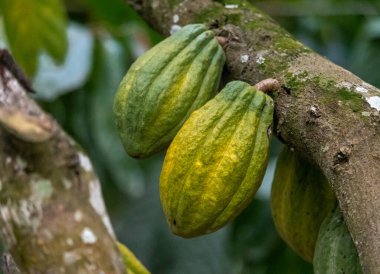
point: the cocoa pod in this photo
(301, 198)
(164, 86)
(217, 160)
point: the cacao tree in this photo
(52, 215)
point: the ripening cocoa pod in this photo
(301, 198)
(335, 252)
(217, 161)
(164, 86)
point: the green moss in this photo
(296, 82)
(332, 95)
(271, 67)
(339, 96)
(345, 94)
(231, 2)
(330, 84)
(303, 74)
(286, 44)
(212, 13)
(173, 3)
(234, 18)
(281, 50)
(352, 99)
(262, 22)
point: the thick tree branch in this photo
(52, 214)
(323, 111)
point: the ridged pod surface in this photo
(164, 86)
(133, 265)
(301, 198)
(217, 160)
(335, 252)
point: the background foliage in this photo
(77, 51)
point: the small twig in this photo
(222, 41)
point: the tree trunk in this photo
(323, 111)
(52, 214)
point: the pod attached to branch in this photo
(217, 160)
(301, 198)
(164, 86)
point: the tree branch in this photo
(326, 113)
(52, 214)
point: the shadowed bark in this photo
(323, 111)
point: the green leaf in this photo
(114, 12)
(75, 69)
(109, 67)
(32, 27)
(256, 247)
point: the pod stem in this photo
(267, 85)
(222, 41)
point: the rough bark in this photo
(323, 111)
(52, 214)
(7, 265)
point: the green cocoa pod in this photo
(164, 86)
(301, 198)
(335, 252)
(133, 265)
(217, 160)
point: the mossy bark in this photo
(52, 214)
(323, 111)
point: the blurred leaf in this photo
(256, 246)
(118, 17)
(253, 236)
(136, 38)
(364, 61)
(285, 261)
(372, 27)
(109, 68)
(3, 38)
(34, 26)
(274, 150)
(141, 224)
(113, 12)
(53, 80)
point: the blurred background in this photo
(77, 51)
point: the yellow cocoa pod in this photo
(133, 265)
(217, 160)
(301, 198)
(164, 86)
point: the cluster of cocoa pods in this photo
(307, 217)
(217, 144)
